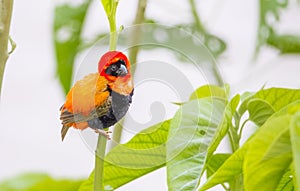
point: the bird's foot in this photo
(104, 133)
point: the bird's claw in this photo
(104, 133)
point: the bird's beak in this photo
(122, 71)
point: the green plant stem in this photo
(99, 163)
(113, 28)
(113, 36)
(137, 33)
(235, 134)
(241, 129)
(113, 46)
(234, 138)
(5, 18)
(197, 20)
(102, 140)
(118, 127)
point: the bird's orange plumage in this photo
(86, 95)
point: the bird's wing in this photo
(89, 98)
(68, 118)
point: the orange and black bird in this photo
(101, 99)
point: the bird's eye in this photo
(113, 68)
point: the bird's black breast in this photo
(119, 107)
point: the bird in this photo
(100, 99)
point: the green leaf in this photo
(269, 9)
(259, 111)
(295, 142)
(232, 168)
(246, 95)
(215, 162)
(276, 97)
(209, 91)
(110, 7)
(263, 170)
(37, 182)
(191, 132)
(67, 27)
(266, 152)
(269, 153)
(279, 97)
(286, 182)
(144, 153)
(287, 44)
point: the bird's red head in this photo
(114, 64)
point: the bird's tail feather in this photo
(64, 131)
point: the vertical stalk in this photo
(234, 138)
(113, 35)
(102, 140)
(136, 33)
(5, 18)
(197, 20)
(99, 163)
(234, 133)
(113, 28)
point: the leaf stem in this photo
(99, 163)
(234, 138)
(136, 33)
(113, 28)
(241, 129)
(5, 18)
(198, 22)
